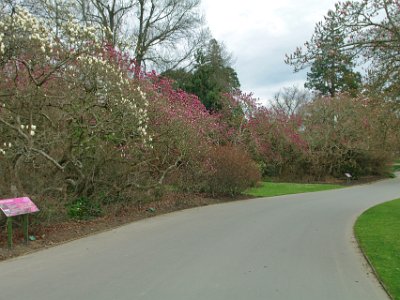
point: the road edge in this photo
(366, 258)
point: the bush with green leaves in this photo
(82, 208)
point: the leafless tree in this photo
(112, 15)
(162, 34)
(290, 99)
(167, 32)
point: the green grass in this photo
(378, 233)
(395, 168)
(269, 189)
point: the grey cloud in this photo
(260, 52)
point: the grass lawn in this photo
(269, 189)
(395, 168)
(378, 233)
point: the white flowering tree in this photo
(72, 119)
(160, 34)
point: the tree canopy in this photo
(161, 34)
(331, 67)
(211, 77)
(369, 35)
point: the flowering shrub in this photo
(186, 135)
(275, 141)
(348, 134)
(232, 171)
(77, 121)
(183, 131)
(69, 110)
(237, 108)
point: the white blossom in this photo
(115, 82)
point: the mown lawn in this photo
(378, 233)
(269, 189)
(395, 168)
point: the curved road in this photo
(289, 247)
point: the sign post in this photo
(348, 176)
(9, 233)
(25, 224)
(15, 207)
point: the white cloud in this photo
(272, 89)
(260, 33)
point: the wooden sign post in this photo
(16, 207)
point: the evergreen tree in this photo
(331, 68)
(331, 73)
(181, 78)
(213, 76)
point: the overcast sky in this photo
(259, 32)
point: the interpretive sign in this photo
(17, 206)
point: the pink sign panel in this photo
(17, 206)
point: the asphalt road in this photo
(289, 247)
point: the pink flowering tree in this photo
(349, 135)
(183, 133)
(275, 140)
(70, 113)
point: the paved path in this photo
(290, 247)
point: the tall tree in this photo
(112, 15)
(290, 100)
(373, 31)
(167, 32)
(213, 75)
(331, 68)
(162, 34)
